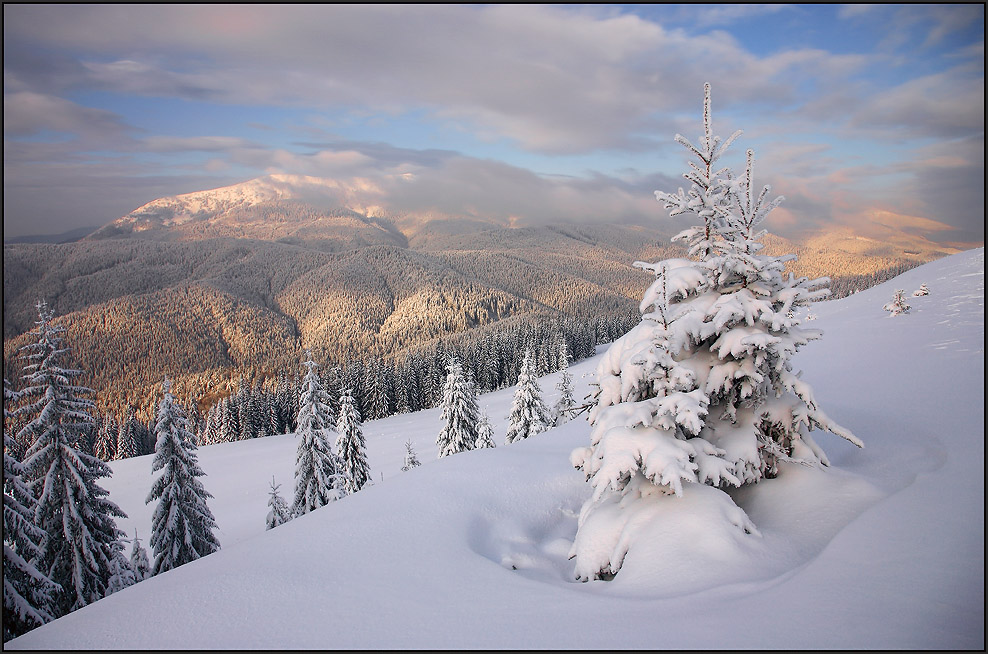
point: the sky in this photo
(535, 113)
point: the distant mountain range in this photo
(210, 285)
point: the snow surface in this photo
(885, 549)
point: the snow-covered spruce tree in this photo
(280, 512)
(351, 446)
(411, 458)
(27, 593)
(485, 432)
(460, 413)
(898, 304)
(317, 476)
(139, 561)
(127, 436)
(921, 291)
(701, 394)
(566, 400)
(80, 536)
(182, 526)
(529, 414)
(121, 572)
(105, 447)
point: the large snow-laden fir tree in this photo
(351, 446)
(460, 413)
(529, 414)
(26, 592)
(317, 468)
(182, 526)
(80, 536)
(702, 391)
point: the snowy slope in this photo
(883, 550)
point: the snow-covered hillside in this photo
(885, 549)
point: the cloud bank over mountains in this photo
(544, 113)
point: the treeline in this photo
(268, 404)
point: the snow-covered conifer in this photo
(80, 536)
(560, 411)
(702, 391)
(898, 304)
(139, 561)
(182, 525)
(411, 458)
(460, 413)
(121, 572)
(127, 436)
(529, 414)
(351, 446)
(27, 593)
(105, 447)
(317, 476)
(280, 512)
(921, 291)
(485, 432)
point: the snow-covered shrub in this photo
(411, 458)
(898, 304)
(922, 290)
(702, 391)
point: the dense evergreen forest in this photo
(227, 309)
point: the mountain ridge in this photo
(268, 264)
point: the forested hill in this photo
(209, 288)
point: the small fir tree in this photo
(898, 304)
(529, 415)
(280, 512)
(80, 534)
(182, 526)
(566, 401)
(139, 561)
(921, 291)
(351, 446)
(27, 593)
(702, 392)
(411, 458)
(317, 476)
(485, 432)
(121, 572)
(460, 413)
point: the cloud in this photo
(26, 113)
(922, 107)
(832, 131)
(551, 79)
(194, 143)
(723, 14)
